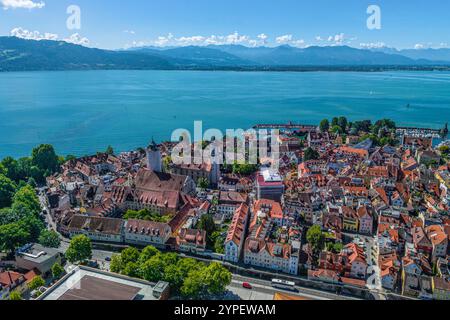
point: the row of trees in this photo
(21, 222)
(32, 170)
(188, 277)
(381, 132)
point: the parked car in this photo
(247, 285)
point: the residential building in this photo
(236, 234)
(191, 240)
(146, 233)
(97, 228)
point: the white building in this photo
(144, 233)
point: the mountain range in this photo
(29, 55)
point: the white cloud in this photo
(22, 4)
(198, 40)
(32, 35)
(284, 39)
(77, 39)
(338, 39)
(129, 31)
(319, 38)
(418, 46)
(373, 45)
(443, 44)
(262, 37)
(36, 35)
(230, 39)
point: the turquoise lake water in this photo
(83, 112)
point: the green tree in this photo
(342, 122)
(219, 242)
(203, 183)
(174, 275)
(337, 130)
(49, 239)
(33, 226)
(36, 283)
(244, 168)
(310, 154)
(324, 125)
(316, 238)
(15, 296)
(193, 285)
(216, 277)
(153, 269)
(207, 223)
(131, 269)
(7, 189)
(80, 249)
(57, 271)
(27, 196)
(45, 158)
(187, 265)
(10, 165)
(147, 253)
(109, 150)
(334, 122)
(116, 264)
(12, 236)
(129, 254)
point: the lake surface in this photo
(83, 112)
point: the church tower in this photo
(154, 158)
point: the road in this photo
(263, 288)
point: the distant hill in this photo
(203, 56)
(29, 55)
(320, 56)
(19, 54)
(442, 54)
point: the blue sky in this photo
(118, 23)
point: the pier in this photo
(288, 126)
(419, 132)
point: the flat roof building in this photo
(35, 256)
(85, 283)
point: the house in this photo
(146, 233)
(229, 201)
(269, 255)
(428, 156)
(441, 289)
(191, 240)
(270, 209)
(439, 240)
(97, 228)
(11, 281)
(417, 286)
(324, 275)
(355, 261)
(420, 240)
(236, 234)
(350, 219)
(208, 171)
(365, 220)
